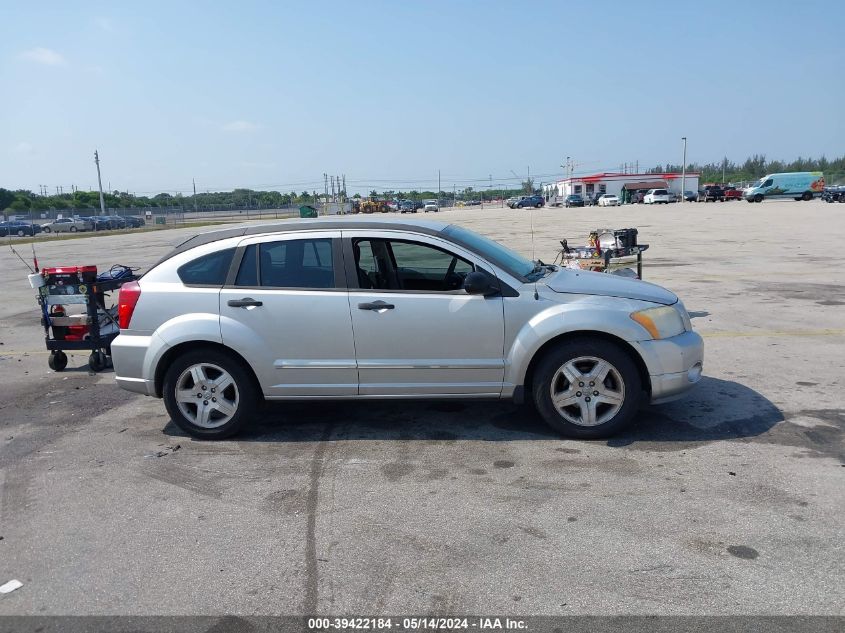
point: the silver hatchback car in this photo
(349, 308)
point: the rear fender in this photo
(186, 328)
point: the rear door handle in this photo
(376, 305)
(246, 302)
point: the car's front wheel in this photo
(587, 388)
(209, 394)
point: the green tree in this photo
(6, 198)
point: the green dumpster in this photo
(307, 211)
(160, 219)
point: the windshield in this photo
(508, 260)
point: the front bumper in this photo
(674, 365)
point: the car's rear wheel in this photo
(46, 229)
(807, 196)
(209, 394)
(587, 388)
(73, 229)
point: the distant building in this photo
(621, 185)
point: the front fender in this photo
(609, 315)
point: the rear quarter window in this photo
(208, 270)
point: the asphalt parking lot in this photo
(727, 502)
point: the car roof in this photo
(432, 227)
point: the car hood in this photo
(584, 282)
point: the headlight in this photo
(662, 322)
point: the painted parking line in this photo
(773, 333)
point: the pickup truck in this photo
(732, 193)
(711, 193)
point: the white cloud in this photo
(46, 56)
(239, 126)
(105, 23)
(23, 148)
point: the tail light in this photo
(130, 292)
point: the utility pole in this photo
(684, 171)
(100, 183)
(438, 188)
(194, 182)
(724, 165)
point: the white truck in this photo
(800, 185)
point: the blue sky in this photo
(273, 94)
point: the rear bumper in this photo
(674, 365)
(130, 359)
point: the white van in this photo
(800, 185)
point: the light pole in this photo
(684, 171)
(100, 183)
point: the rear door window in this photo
(307, 263)
(208, 270)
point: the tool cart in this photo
(74, 313)
(608, 251)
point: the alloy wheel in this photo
(207, 395)
(587, 391)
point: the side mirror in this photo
(480, 283)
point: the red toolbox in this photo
(64, 275)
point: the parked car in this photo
(573, 200)
(407, 207)
(711, 193)
(201, 328)
(535, 201)
(608, 200)
(98, 223)
(473, 203)
(637, 197)
(834, 194)
(134, 222)
(67, 225)
(512, 202)
(431, 205)
(593, 200)
(691, 196)
(116, 221)
(19, 228)
(799, 185)
(656, 196)
(732, 193)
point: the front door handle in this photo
(376, 305)
(246, 302)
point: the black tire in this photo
(758, 197)
(807, 196)
(547, 369)
(249, 394)
(57, 360)
(46, 229)
(73, 229)
(97, 361)
(21, 232)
